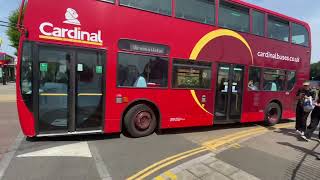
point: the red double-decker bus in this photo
(107, 66)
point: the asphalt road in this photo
(265, 154)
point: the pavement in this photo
(237, 151)
(9, 125)
(278, 154)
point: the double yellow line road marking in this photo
(206, 146)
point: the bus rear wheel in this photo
(272, 114)
(140, 121)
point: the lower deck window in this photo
(291, 80)
(254, 79)
(274, 80)
(142, 71)
(191, 74)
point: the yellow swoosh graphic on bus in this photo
(204, 41)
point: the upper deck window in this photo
(300, 35)
(258, 23)
(202, 11)
(234, 17)
(278, 29)
(158, 6)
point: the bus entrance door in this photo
(229, 91)
(69, 87)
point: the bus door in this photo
(229, 91)
(69, 86)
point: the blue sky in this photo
(306, 10)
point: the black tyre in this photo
(31, 139)
(140, 121)
(272, 114)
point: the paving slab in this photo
(185, 175)
(223, 168)
(215, 176)
(243, 176)
(199, 170)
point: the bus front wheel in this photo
(140, 121)
(272, 114)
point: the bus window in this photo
(191, 75)
(274, 80)
(254, 79)
(278, 29)
(291, 80)
(158, 6)
(142, 71)
(202, 11)
(299, 35)
(258, 23)
(26, 75)
(234, 17)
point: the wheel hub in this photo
(273, 115)
(143, 120)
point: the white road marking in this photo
(101, 166)
(4, 163)
(71, 150)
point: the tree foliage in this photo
(12, 32)
(315, 71)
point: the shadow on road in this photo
(92, 137)
(219, 127)
(292, 132)
(95, 137)
(299, 166)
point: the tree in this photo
(315, 71)
(12, 32)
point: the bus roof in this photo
(7, 55)
(268, 11)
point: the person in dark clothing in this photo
(301, 115)
(315, 119)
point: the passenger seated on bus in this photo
(252, 86)
(131, 76)
(274, 87)
(140, 82)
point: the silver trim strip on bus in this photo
(71, 133)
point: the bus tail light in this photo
(119, 99)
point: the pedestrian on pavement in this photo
(315, 119)
(301, 115)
